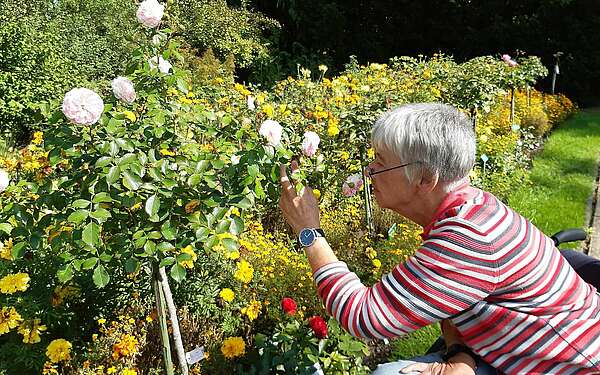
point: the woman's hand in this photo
(301, 210)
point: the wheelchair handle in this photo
(569, 235)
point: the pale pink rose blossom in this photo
(506, 58)
(310, 144)
(352, 185)
(512, 63)
(163, 65)
(4, 180)
(235, 159)
(82, 106)
(271, 130)
(123, 89)
(150, 12)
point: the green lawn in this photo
(562, 178)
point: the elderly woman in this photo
(494, 277)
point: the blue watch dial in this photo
(306, 237)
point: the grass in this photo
(562, 177)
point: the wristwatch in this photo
(308, 236)
(454, 349)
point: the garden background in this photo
(170, 172)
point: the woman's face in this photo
(391, 188)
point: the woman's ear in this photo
(428, 182)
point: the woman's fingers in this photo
(416, 367)
(285, 182)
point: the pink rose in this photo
(310, 143)
(352, 185)
(163, 65)
(82, 106)
(506, 58)
(271, 130)
(123, 89)
(512, 63)
(150, 13)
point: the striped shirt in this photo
(512, 296)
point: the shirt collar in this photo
(455, 198)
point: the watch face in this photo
(307, 237)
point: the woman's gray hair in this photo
(437, 137)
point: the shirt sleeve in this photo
(442, 279)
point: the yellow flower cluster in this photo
(31, 330)
(6, 249)
(126, 346)
(9, 319)
(12, 283)
(252, 310)
(244, 271)
(233, 347)
(227, 294)
(59, 350)
(190, 262)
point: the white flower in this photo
(158, 39)
(352, 184)
(235, 160)
(250, 101)
(163, 65)
(82, 106)
(150, 12)
(4, 180)
(123, 89)
(271, 130)
(310, 144)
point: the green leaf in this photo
(6, 228)
(101, 215)
(167, 262)
(178, 273)
(127, 159)
(101, 277)
(194, 179)
(78, 216)
(230, 244)
(253, 170)
(102, 197)
(81, 203)
(154, 235)
(113, 174)
(167, 231)
(89, 263)
(65, 274)
(103, 161)
(91, 234)
(149, 248)
(202, 233)
(132, 265)
(244, 204)
(165, 246)
(18, 250)
(131, 181)
(237, 225)
(152, 205)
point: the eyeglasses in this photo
(370, 172)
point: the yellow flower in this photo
(227, 295)
(31, 330)
(125, 347)
(232, 254)
(268, 110)
(323, 68)
(190, 262)
(344, 155)
(49, 369)
(317, 193)
(101, 321)
(111, 370)
(18, 282)
(376, 263)
(483, 138)
(332, 131)
(6, 249)
(59, 350)
(244, 272)
(38, 138)
(234, 211)
(371, 153)
(166, 152)
(252, 310)
(129, 371)
(233, 347)
(9, 319)
(136, 206)
(130, 116)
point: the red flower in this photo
(318, 326)
(288, 305)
